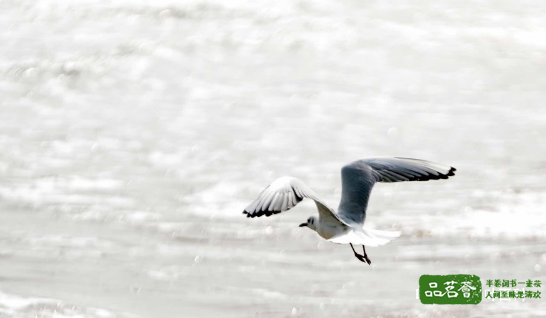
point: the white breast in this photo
(329, 230)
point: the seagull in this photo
(357, 180)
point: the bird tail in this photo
(365, 236)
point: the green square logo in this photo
(459, 289)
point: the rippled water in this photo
(134, 133)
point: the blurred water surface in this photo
(133, 133)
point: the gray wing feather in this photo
(359, 177)
(282, 195)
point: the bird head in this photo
(311, 223)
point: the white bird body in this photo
(347, 225)
(328, 230)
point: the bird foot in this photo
(363, 258)
(367, 259)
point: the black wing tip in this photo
(440, 176)
(261, 213)
(249, 214)
(450, 173)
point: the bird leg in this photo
(366, 256)
(363, 258)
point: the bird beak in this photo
(303, 224)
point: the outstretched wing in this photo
(282, 195)
(359, 177)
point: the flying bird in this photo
(357, 180)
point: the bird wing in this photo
(282, 195)
(359, 177)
